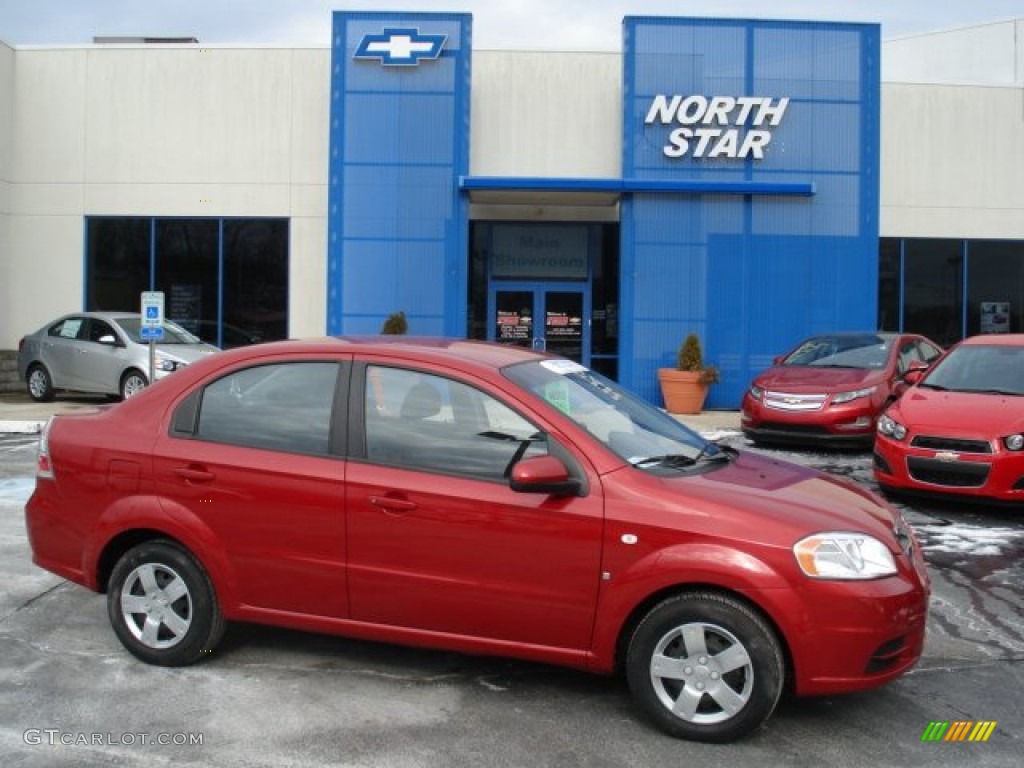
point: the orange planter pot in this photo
(683, 391)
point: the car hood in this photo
(186, 353)
(758, 496)
(931, 411)
(804, 378)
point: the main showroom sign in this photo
(718, 126)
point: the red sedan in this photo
(960, 431)
(484, 499)
(831, 389)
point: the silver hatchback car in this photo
(101, 352)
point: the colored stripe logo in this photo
(959, 730)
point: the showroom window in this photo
(951, 289)
(226, 280)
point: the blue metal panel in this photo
(747, 268)
(399, 140)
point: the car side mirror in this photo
(777, 360)
(543, 474)
(109, 339)
(915, 374)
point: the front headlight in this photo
(889, 427)
(163, 364)
(839, 555)
(1014, 442)
(756, 392)
(845, 397)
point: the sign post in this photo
(152, 329)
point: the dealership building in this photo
(752, 181)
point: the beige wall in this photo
(546, 114)
(161, 131)
(6, 152)
(983, 54)
(952, 161)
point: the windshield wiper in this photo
(669, 459)
(681, 459)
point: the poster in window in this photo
(514, 325)
(995, 317)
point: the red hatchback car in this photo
(484, 499)
(831, 389)
(960, 431)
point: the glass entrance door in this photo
(543, 316)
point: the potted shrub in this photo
(395, 324)
(685, 386)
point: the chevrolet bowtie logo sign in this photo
(402, 47)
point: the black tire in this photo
(162, 606)
(719, 683)
(39, 383)
(133, 382)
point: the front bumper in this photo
(997, 476)
(851, 424)
(859, 635)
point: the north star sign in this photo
(402, 47)
(710, 126)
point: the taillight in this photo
(43, 466)
(21, 344)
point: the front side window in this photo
(99, 329)
(284, 407)
(431, 423)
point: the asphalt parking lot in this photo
(70, 695)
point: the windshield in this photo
(992, 369)
(644, 436)
(173, 333)
(867, 351)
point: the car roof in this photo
(856, 334)
(439, 349)
(995, 340)
(105, 315)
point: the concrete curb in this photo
(21, 427)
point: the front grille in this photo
(956, 444)
(800, 429)
(787, 401)
(886, 655)
(961, 474)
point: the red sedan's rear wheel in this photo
(162, 605)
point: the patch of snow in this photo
(17, 489)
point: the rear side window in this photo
(69, 328)
(284, 407)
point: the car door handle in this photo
(194, 474)
(390, 504)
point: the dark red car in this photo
(484, 499)
(831, 388)
(960, 432)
